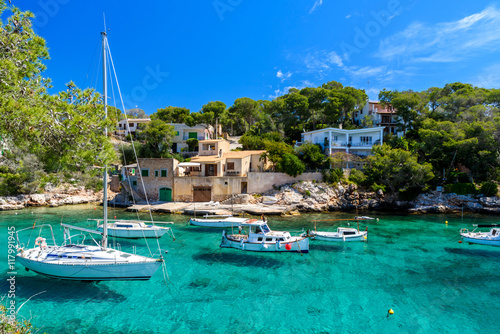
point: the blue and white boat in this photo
(490, 238)
(260, 238)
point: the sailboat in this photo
(78, 261)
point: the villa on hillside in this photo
(133, 126)
(184, 132)
(380, 115)
(357, 141)
(216, 173)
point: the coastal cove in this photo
(412, 264)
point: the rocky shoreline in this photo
(293, 198)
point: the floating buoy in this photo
(288, 247)
(446, 222)
(377, 219)
(460, 241)
(390, 312)
(115, 217)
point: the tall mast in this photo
(105, 176)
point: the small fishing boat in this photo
(217, 221)
(132, 229)
(491, 238)
(342, 234)
(260, 238)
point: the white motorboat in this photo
(260, 238)
(218, 221)
(491, 238)
(342, 234)
(132, 229)
(78, 261)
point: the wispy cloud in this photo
(446, 41)
(488, 78)
(300, 85)
(322, 61)
(283, 76)
(317, 3)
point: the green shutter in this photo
(193, 135)
(145, 172)
(163, 173)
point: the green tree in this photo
(290, 164)
(157, 137)
(172, 115)
(397, 169)
(311, 155)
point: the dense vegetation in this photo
(451, 135)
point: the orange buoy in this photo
(460, 241)
(288, 246)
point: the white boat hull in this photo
(99, 265)
(133, 233)
(333, 236)
(300, 245)
(225, 222)
(481, 240)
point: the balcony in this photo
(233, 173)
(186, 137)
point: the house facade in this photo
(132, 128)
(157, 175)
(380, 115)
(216, 173)
(358, 141)
(184, 132)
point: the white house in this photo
(133, 125)
(184, 132)
(358, 141)
(380, 115)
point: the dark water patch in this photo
(311, 310)
(478, 253)
(340, 247)
(200, 283)
(238, 259)
(63, 290)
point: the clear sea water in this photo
(411, 264)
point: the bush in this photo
(489, 188)
(461, 188)
(332, 176)
(308, 193)
(376, 187)
(358, 177)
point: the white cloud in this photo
(300, 85)
(348, 16)
(488, 78)
(317, 3)
(283, 76)
(322, 61)
(446, 41)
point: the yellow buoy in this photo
(446, 222)
(391, 311)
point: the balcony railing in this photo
(186, 137)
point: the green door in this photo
(193, 135)
(165, 194)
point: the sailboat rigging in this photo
(78, 261)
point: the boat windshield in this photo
(265, 228)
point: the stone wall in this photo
(222, 187)
(261, 182)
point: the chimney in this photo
(340, 126)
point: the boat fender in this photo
(241, 244)
(288, 247)
(278, 244)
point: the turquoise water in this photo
(412, 264)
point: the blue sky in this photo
(187, 53)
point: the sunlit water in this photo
(412, 264)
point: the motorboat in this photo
(260, 238)
(491, 238)
(218, 221)
(132, 229)
(342, 234)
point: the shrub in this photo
(461, 188)
(332, 176)
(358, 177)
(308, 193)
(489, 188)
(376, 187)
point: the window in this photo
(176, 133)
(366, 140)
(145, 172)
(157, 173)
(134, 183)
(335, 138)
(131, 125)
(164, 173)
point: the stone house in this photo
(216, 173)
(158, 177)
